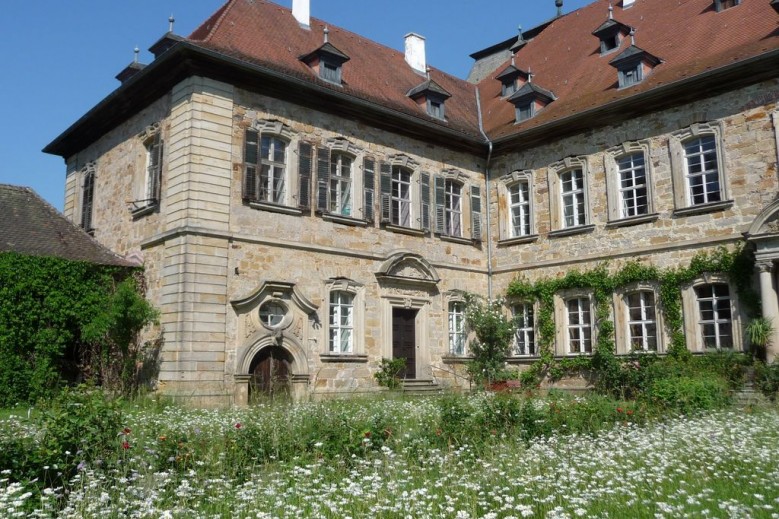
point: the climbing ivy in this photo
(65, 320)
(737, 264)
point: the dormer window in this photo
(529, 100)
(721, 5)
(432, 96)
(511, 79)
(327, 62)
(610, 33)
(633, 66)
(775, 5)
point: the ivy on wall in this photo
(737, 264)
(66, 320)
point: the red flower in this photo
(125, 445)
(126, 431)
(630, 412)
(238, 425)
(367, 434)
(619, 409)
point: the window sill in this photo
(580, 229)
(343, 357)
(632, 220)
(703, 208)
(456, 359)
(344, 220)
(456, 239)
(522, 360)
(404, 230)
(275, 208)
(517, 240)
(143, 211)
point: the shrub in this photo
(494, 331)
(389, 369)
(767, 379)
(688, 394)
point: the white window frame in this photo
(692, 316)
(679, 168)
(453, 207)
(562, 320)
(526, 334)
(401, 199)
(357, 292)
(557, 196)
(275, 130)
(622, 318)
(505, 186)
(611, 157)
(339, 181)
(340, 322)
(456, 327)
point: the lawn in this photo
(453, 457)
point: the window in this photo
(343, 330)
(628, 179)
(508, 87)
(642, 321)
(568, 198)
(630, 76)
(698, 169)
(524, 331)
(435, 108)
(401, 197)
(525, 111)
(519, 208)
(457, 328)
(453, 208)
(265, 161)
(330, 71)
(572, 196)
(633, 65)
(711, 316)
(633, 200)
(272, 314)
(609, 43)
(87, 197)
(341, 327)
(721, 5)
(341, 184)
(578, 325)
(702, 172)
(153, 169)
(715, 316)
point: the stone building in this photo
(307, 202)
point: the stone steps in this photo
(420, 387)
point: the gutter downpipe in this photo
(487, 195)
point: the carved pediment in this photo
(767, 222)
(409, 268)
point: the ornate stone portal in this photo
(764, 235)
(274, 318)
(407, 285)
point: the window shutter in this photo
(425, 200)
(369, 188)
(386, 192)
(250, 159)
(476, 226)
(87, 198)
(305, 163)
(440, 204)
(155, 171)
(323, 179)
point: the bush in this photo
(767, 379)
(688, 394)
(387, 376)
(494, 332)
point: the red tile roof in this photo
(267, 34)
(689, 36)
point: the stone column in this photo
(770, 303)
(241, 398)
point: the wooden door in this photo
(270, 373)
(404, 340)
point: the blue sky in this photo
(60, 56)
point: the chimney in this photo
(415, 52)
(301, 10)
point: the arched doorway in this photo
(270, 374)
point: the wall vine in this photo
(737, 264)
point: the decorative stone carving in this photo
(406, 269)
(249, 326)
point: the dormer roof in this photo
(510, 73)
(328, 50)
(426, 88)
(531, 91)
(610, 27)
(634, 54)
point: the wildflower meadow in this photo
(477, 456)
